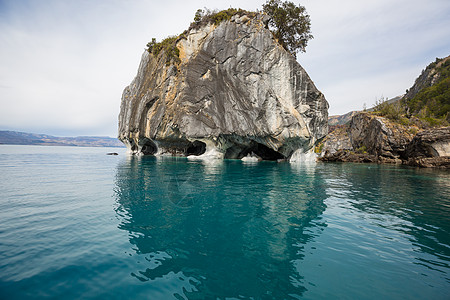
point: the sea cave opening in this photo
(196, 148)
(149, 147)
(264, 152)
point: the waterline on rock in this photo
(299, 156)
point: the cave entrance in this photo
(264, 152)
(196, 148)
(149, 147)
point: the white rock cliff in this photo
(235, 92)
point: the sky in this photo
(65, 63)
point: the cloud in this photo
(379, 45)
(64, 64)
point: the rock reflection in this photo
(226, 230)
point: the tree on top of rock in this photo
(290, 24)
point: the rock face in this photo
(373, 138)
(430, 148)
(370, 138)
(339, 139)
(427, 78)
(235, 92)
(379, 137)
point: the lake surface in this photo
(78, 224)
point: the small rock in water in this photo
(112, 153)
(251, 158)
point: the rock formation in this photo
(429, 77)
(378, 136)
(430, 148)
(235, 91)
(370, 138)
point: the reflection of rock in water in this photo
(231, 228)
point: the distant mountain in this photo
(23, 138)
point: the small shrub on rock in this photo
(169, 45)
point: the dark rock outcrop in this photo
(349, 156)
(379, 137)
(370, 138)
(235, 92)
(430, 162)
(338, 139)
(430, 143)
(430, 148)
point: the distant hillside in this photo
(427, 103)
(412, 129)
(341, 119)
(429, 97)
(23, 138)
(394, 100)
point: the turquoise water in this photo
(78, 224)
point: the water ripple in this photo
(87, 225)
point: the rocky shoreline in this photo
(373, 139)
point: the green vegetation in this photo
(362, 149)
(397, 112)
(201, 18)
(290, 24)
(433, 102)
(168, 45)
(434, 64)
(318, 148)
(198, 16)
(394, 111)
(205, 16)
(430, 107)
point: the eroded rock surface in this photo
(236, 91)
(430, 148)
(379, 136)
(370, 138)
(337, 140)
